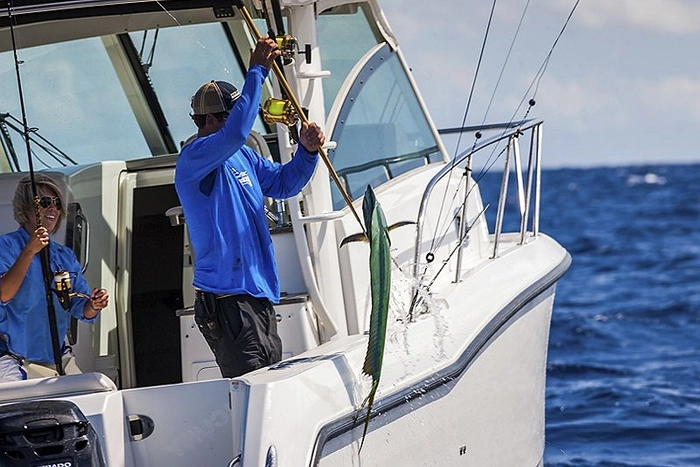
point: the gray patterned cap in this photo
(214, 97)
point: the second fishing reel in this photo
(280, 111)
(64, 289)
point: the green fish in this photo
(380, 281)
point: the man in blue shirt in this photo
(221, 184)
(24, 326)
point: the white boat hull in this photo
(473, 401)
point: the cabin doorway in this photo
(156, 287)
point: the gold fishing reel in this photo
(289, 46)
(279, 111)
(64, 289)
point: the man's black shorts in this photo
(241, 330)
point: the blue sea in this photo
(623, 382)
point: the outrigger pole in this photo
(45, 253)
(287, 90)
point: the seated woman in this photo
(26, 349)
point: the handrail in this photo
(386, 163)
(510, 133)
(85, 240)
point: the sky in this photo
(622, 86)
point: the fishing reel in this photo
(289, 46)
(279, 111)
(64, 289)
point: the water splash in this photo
(403, 287)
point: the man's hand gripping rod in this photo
(297, 107)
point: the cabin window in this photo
(345, 35)
(381, 131)
(179, 60)
(85, 96)
(73, 96)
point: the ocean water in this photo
(623, 378)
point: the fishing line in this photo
(505, 62)
(476, 73)
(536, 83)
(48, 147)
(193, 37)
(425, 288)
(488, 164)
(466, 112)
(457, 247)
(549, 55)
(540, 73)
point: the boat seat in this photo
(257, 142)
(55, 386)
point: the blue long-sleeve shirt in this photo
(24, 323)
(221, 184)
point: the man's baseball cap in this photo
(214, 97)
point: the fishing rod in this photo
(45, 253)
(287, 91)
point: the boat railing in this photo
(528, 189)
(386, 165)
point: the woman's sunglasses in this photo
(46, 201)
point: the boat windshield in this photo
(88, 101)
(381, 130)
(126, 96)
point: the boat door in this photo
(150, 265)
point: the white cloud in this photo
(674, 97)
(593, 103)
(665, 16)
(585, 103)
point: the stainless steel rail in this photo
(511, 134)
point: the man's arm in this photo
(205, 154)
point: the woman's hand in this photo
(99, 299)
(37, 240)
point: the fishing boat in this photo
(106, 85)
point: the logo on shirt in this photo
(242, 177)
